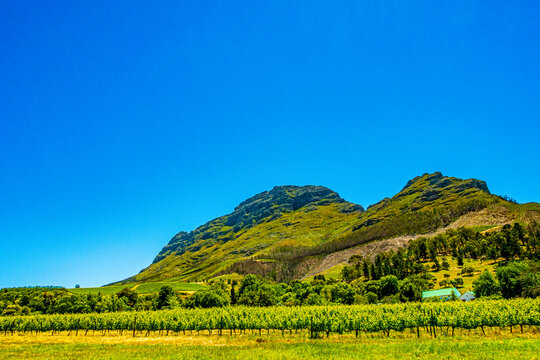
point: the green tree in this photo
(467, 271)
(314, 299)
(389, 285)
(511, 278)
(263, 296)
(365, 268)
(234, 283)
(249, 283)
(356, 260)
(485, 285)
(445, 265)
(410, 290)
(457, 282)
(509, 246)
(129, 295)
(167, 298)
(459, 258)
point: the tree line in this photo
(515, 249)
(390, 277)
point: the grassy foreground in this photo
(469, 345)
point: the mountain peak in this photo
(425, 192)
(281, 199)
(431, 178)
(290, 198)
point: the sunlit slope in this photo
(293, 229)
(285, 217)
(491, 218)
(428, 193)
(427, 204)
(432, 201)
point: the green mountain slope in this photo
(428, 193)
(425, 204)
(431, 201)
(286, 216)
(288, 231)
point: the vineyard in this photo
(430, 318)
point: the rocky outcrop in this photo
(279, 200)
(430, 178)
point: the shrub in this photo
(467, 271)
(445, 265)
(314, 299)
(372, 298)
(457, 282)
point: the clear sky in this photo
(124, 122)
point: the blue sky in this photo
(124, 122)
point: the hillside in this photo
(298, 231)
(286, 216)
(427, 193)
(427, 205)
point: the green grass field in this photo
(455, 271)
(148, 288)
(273, 346)
(481, 228)
(145, 288)
(105, 290)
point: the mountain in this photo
(291, 231)
(286, 216)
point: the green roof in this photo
(440, 293)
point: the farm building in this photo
(468, 296)
(443, 294)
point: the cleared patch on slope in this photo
(493, 215)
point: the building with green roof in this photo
(443, 294)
